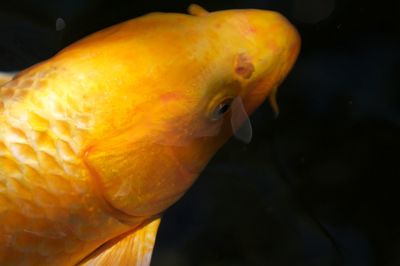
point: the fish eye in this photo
(221, 109)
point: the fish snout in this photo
(274, 47)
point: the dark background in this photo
(317, 186)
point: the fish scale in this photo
(47, 209)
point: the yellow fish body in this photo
(96, 142)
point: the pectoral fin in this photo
(5, 77)
(134, 248)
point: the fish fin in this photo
(5, 77)
(241, 125)
(197, 10)
(133, 248)
(273, 102)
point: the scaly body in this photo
(48, 210)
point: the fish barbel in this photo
(97, 141)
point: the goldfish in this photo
(99, 140)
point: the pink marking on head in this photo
(170, 96)
(253, 29)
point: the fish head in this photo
(176, 87)
(270, 46)
(249, 53)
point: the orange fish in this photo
(96, 142)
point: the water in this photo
(317, 186)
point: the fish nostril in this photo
(244, 66)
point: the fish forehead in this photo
(180, 31)
(163, 45)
